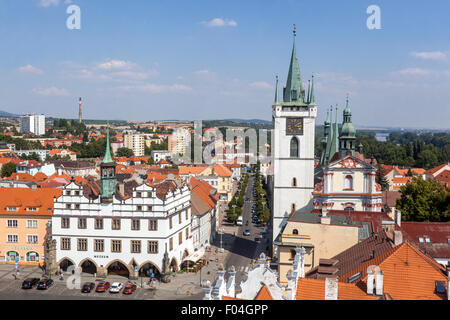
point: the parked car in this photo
(29, 283)
(116, 287)
(246, 232)
(87, 287)
(44, 284)
(129, 288)
(102, 286)
(239, 221)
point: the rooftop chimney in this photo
(398, 237)
(398, 218)
(331, 289)
(379, 283)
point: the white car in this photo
(116, 287)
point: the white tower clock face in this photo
(294, 126)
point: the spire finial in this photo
(347, 99)
(295, 30)
(276, 90)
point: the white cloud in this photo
(260, 85)
(52, 91)
(156, 88)
(431, 55)
(48, 3)
(116, 65)
(412, 72)
(201, 72)
(219, 22)
(30, 69)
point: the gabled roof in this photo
(436, 169)
(352, 162)
(222, 171)
(23, 198)
(354, 256)
(409, 274)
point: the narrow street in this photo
(246, 249)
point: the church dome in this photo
(348, 130)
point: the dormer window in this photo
(421, 239)
(32, 209)
(12, 209)
(427, 239)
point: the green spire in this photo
(276, 92)
(311, 96)
(347, 139)
(107, 158)
(294, 90)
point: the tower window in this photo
(294, 95)
(295, 231)
(294, 148)
(292, 207)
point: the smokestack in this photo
(79, 110)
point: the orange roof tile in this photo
(314, 289)
(222, 171)
(23, 198)
(409, 274)
(264, 294)
(183, 170)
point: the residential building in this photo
(158, 155)
(322, 236)
(63, 153)
(24, 218)
(203, 207)
(135, 142)
(42, 154)
(33, 123)
(178, 141)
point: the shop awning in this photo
(196, 255)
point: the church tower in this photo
(107, 175)
(347, 139)
(293, 150)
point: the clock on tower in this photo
(294, 126)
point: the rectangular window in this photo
(135, 246)
(31, 238)
(170, 223)
(99, 245)
(153, 225)
(68, 193)
(135, 224)
(179, 217)
(149, 208)
(65, 243)
(32, 224)
(13, 238)
(152, 247)
(82, 223)
(82, 244)
(180, 237)
(98, 223)
(170, 244)
(31, 209)
(12, 224)
(116, 246)
(139, 208)
(77, 206)
(138, 195)
(68, 206)
(187, 233)
(65, 223)
(12, 209)
(77, 193)
(116, 224)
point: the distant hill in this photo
(249, 121)
(7, 114)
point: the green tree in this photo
(8, 169)
(424, 200)
(124, 152)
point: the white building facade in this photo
(34, 123)
(132, 235)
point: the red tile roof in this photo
(23, 198)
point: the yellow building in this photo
(24, 214)
(323, 237)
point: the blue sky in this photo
(205, 59)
